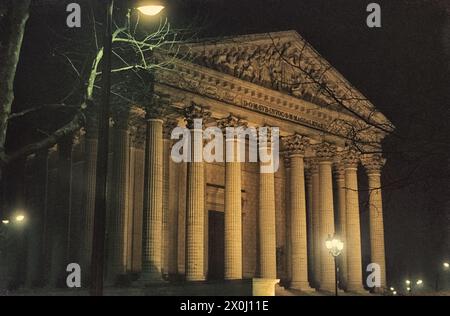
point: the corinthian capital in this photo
(231, 121)
(121, 118)
(350, 157)
(325, 151)
(195, 112)
(156, 110)
(169, 126)
(311, 165)
(295, 144)
(373, 163)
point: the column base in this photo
(378, 290)
(356, 289)
(329, 288)
(149, 278)
(264, 287)
(301, 286)
(195, 279)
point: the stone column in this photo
(287, 167)
(309, 222)
(314, 171)
(339, 175)
(138, 137)
(266, 218)
(373, 165)
(353, 227)
(117, 225)
(325, 153)
(170, 224)
(295, 145)
(37, 223)
(153, 199)
(87, 220)
(60, 232)
(195, 208)
(233, 200)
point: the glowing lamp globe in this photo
(150, 7)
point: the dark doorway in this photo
(216, 245)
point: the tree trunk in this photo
(17, 13)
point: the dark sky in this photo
(403, 68)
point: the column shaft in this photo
(267, 234)
(166, 228)
(327, 271)
(288, 218)
(117, 225)
(153, 203)
(310, 229)
(298, 225)
(233, 216)
(342, 227)
(89, 203)
(195, 222)
(376, 225)
(353, 230)
(60, 232)
(37, 242)
(315, 183)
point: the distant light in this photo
(5, 221)
(419, 282)
(446, 265)
(20, 218)
(329, 244)
(151, 10)
(408, 282)
(392, 289)
(395, 292)
(408, 289)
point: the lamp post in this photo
(335, 246)
(445, 268)
(411, 285)
(147, 7)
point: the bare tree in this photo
(14, 14)
(134, 61)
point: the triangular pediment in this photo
(285, 62)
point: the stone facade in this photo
(165, 219)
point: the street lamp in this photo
(20, 218)
(5, 221)
(148, 7)
(410, 285)
(335, 246)
(446, 265)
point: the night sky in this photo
(402, 68)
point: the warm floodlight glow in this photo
(446, 265)
(395, 292)
(20, 218)
(419, 282)
(408, 289)
(408, 282)
(5, 221)
(340, 245)
(329, 244)
(392, 289)
(150, 10)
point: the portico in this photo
(161, 211)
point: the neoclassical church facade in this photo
(195, 221)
